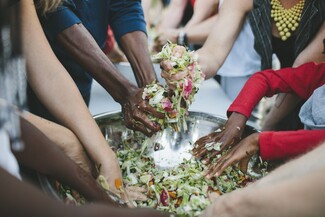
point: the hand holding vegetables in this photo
(183, 77)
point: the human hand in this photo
(136, 111)
(218, 141)
(242, 153)
(171, 79)
(227, 205)
(163, 36)
(171, 70)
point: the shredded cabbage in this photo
(174, 102)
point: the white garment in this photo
(242, 60)
(7, 159)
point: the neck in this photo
(289, 3)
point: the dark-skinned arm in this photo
(135, 47)
(20, 199)
(41, 155)
(93, 60)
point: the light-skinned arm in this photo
(293, 189)
(231, 16)
(56, 89)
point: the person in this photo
(31, 148)
(260, 42)
(111, 49)
(291, 190)
(76, 23)
(78, 134)
(195, 31)
(307, 81)
(150, 9)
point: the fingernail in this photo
(204, 161)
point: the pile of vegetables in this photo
(182, 190)
(176, 96)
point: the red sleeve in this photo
(301, 81)
(287, 144)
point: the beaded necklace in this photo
(286, 20)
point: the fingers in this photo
(151, 110)
(243, 164)
(220, 165)
(138, 121)
(242, 153)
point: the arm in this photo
(45, 157)
(286, 102)
(202, 10)
(172, 15)
(99, 66)
(301, 81)
(231, 17)
(65, 139)
(55, 88)
(290, 190)
(196, 33)
(288, 144)
(18, 198)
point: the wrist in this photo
(182, 38)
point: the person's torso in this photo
(313, 15)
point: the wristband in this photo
(182, 38)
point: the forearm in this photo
(42, 155)
(19, 198)
(295, 197)
(231, 17)
(197, 34)
(284, 104)
(289, 144)
(172, 15)
(314, 51)
(202, 10)
(135, 47)
(78, 42)
(295, 168)
(56, 89)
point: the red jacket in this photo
(301, 81)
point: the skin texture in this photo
(94, 61)
(197, 28)
(19, 198)
(229, 136)
(291, 190)
(58, 92)
(38, 148)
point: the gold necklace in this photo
(286, 20)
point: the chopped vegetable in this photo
(175, 102)
(182, 190)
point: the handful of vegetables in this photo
(183, 77)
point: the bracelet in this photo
(182, 38)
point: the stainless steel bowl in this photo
(168, 148)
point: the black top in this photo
(312, 18)
(284, 50)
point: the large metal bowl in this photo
(168, 148)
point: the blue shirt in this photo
(123, 16)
